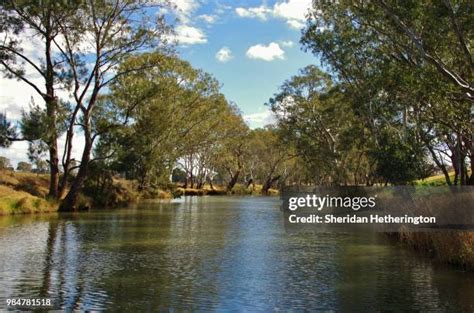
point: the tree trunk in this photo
(462, 165)
(199, 184)
(269, 183)
(233, 181)
(53, 170)
(440, 165)
(470, 181)
(69, 204)
(249, 182)
(51, 102)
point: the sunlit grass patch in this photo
(20, 202)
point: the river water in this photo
(215, 254)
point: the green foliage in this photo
(400, 160)
(7, 131)
(4, 163)
(404, 83)
(24, 167)
(315, 115)
(270, 158)
(165, 113)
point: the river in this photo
(215, 254)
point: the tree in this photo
(406, 68)
(176, 111)
(7, 130)
(84, 42)
(268, 156)
(24, 167)
(41, 167)
(4, 163)
(40, 20)
(116, 30)
(315, 116)
(232, 151)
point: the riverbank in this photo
(23, 193)
(238, 190)
(455, 248)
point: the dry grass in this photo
(450, 247)
(21, 202)
(34, 184)
(24, 193)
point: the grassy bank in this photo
(22, 193)
(448, 246)
(26, 193)
(454, 247)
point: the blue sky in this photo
(259, 44)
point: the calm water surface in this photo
(215, 254)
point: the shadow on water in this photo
(215, 253)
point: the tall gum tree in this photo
(95, 41)
(23, 20)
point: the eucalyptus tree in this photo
(409, 70)
(232, 152)
(7, 130)
(314, 115)
(268, 157)
(24, 22)
(173, 111)
(4, 163)
(84, 42)
(24, 167)
(114, 31)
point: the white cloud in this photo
(295, 24)
(287, 44)
(224, 55)
(188, 35)
(259, 119)
(210, 19)
(185, 32)
(266, 53)
(222, 8)
(293, 12)
(16, 95)
(185, 8)
(260, 12)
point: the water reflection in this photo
(215, 253)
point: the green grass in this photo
(20, 202)
(436, 180)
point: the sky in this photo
(250, 46)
